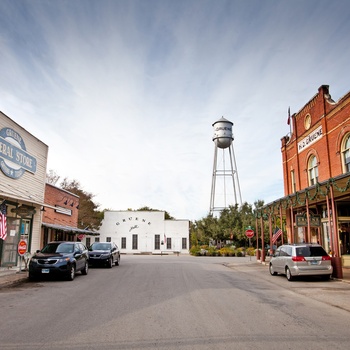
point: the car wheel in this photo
(117, 261)
(71, 273)
(110, 262)
(288, 274)
(272, 271)
(85, 270)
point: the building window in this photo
(97, 239)
(108, 239)
(168, 243)
(346, 154)
(184, 243)
(123, 242)
(313, 170)
(134, 242)
(293, 183)
(88, 241)
(156, 242)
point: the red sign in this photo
(249, 233)
(22, 247)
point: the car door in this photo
(114, 251)
(276, 260)
(78, 253)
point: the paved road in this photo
(170, 302)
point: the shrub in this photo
(250, 251)
(195, 250)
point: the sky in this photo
(125, 92)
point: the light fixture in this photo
(72, 204)
(77, 206)
(66, 202)
(42, 209)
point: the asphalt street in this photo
(170, 302)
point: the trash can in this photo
(258, 254)
(337, 267)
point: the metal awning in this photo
(70, 229)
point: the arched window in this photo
(313, 170)
(346, 154)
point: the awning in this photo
(70, 229)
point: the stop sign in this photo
(249, 233)
(22, 247)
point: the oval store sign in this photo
(14, 158)
(22, 247)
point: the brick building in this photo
(316, 173)
(60, 216)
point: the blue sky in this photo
(125, 93)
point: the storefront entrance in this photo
(9, 253)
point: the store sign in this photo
(23, 211)
(301, 220)
(14, 158)
(310, 139)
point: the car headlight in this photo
(34, 260)
(63, 259)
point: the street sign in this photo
(249, 233)
(22, 247)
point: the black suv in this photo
(104, 253)
(59, 259)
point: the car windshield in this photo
(58, 248)
(310, 251)
(100, 246)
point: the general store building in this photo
(23, 160)
(316, 173)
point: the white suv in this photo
(302, 259)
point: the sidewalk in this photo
(12, 276)
(346, 271)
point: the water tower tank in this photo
(223, 133)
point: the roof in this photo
(70, 229)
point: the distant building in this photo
(60, 217)
(144, 232)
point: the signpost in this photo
(22, 249)
(249, 233)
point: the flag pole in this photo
(289, 121)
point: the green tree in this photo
(167, 216)
(89, 217)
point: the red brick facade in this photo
(334, 121)
(60, 215)
(316, 174)
(66, 213)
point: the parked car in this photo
(59, 258)
(104, 253)
(301, 260)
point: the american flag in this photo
(3, 224)
(277, 233)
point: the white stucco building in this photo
(140, 232)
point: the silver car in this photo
(301, 260)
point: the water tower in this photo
(225, 176)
